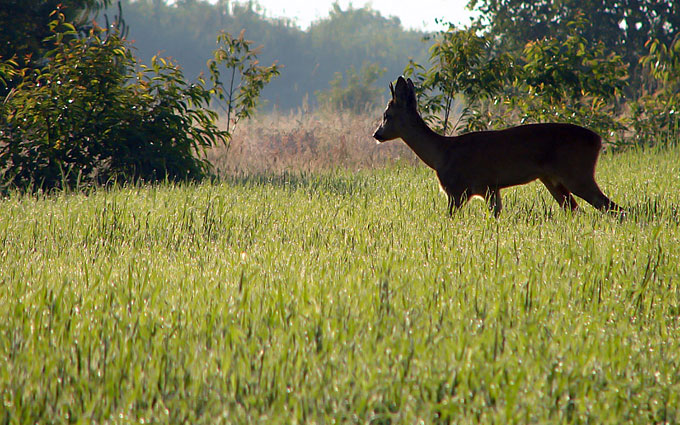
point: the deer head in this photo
(400, 109)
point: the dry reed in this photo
(306, 141)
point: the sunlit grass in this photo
(342, 297)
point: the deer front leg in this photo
(493, 199)
(456, 200)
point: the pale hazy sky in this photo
(414, 14)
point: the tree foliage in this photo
(655, 116)
(566, 79)
(554, 79)
(24, 26)
(246, 78)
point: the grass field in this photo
(343, 297)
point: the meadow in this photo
(342, 296)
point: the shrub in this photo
(87, 116)
(91, 114)
(568, 80)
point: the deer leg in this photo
(594, 196)
(561, 194)
(456, 200)
(493, 199)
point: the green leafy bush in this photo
(88, 116)
(655, 116)
(570, 80)
(24, 29)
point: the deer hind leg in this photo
(561, 194)
(493, 199)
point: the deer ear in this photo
(405, 92)
(412, 91)
(401, 90)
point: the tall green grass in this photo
(342, 297)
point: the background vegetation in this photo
(623, 27)
(59, 129)
(518, 62)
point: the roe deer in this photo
(562, 156)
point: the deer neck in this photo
(428, 145)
